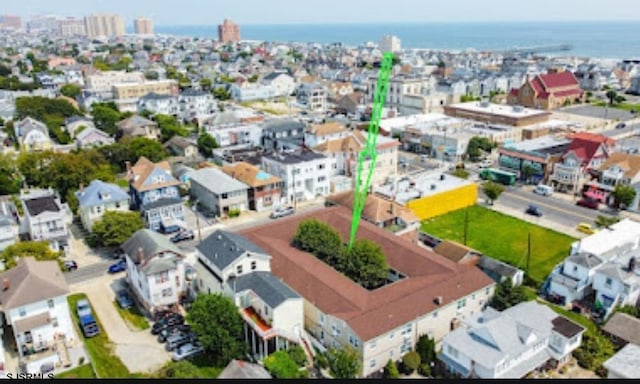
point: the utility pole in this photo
(528, 251)
(295, 198)
(195, 210)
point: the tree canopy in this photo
(624, 195)
(38, 249)
(344, 363)
(52, 112)
(281, 366)
(219, 326)
(492, 190)
(106, 115)
(169, 127)
(114, 228)
(477, 145)
(131, 149)
(507, 295)
(206, 143)
(10, 178)
(71, 90)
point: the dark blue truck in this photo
(89, 326)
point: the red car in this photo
(588, 203)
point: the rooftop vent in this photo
(438, 300)
(484, 104)
(433, 187)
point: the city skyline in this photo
(251, 12)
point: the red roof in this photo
(555, 80)
(514, 92)
(568, 92)
(537, 85)
(584, 149)
(593, 137)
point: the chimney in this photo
(5, 284)
(438, 300)
(141, 255)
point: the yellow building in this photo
(431, 194)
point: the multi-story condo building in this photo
(101, 84)
(159, 104)
(305, 174)
(127, 95)
(196, 105)
(72, 26)
(313, 96)
(389, 44)
(104, 25)
(46, 218)
(228, 32)
(143, 26)
(11, 21)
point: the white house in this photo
(196, 104)
(8, 225)
(76, 124)
(617, 283)
(282, 83)
(46, 219)
(625, 364)
(98, 198)
(159, 104)
(305, 174)
(218, 192)
(34, 304)
(511, 343)
(32, 135)
(155, 269)
(273, 313)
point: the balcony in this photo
(263, 328)
(50, 234)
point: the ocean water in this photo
(588, 39)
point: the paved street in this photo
(88, 272)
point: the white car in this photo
(187, 350)
(282, 212)
(485, 164)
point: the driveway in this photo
(139, 351)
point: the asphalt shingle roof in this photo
(216, 181)
(269, 288)
(98, 193)
(222, 248)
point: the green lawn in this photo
(82, 372)
(624, 106)
(99, 347)
(504, 238)
(133, 317)
(122, 183)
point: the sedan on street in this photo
(120, 266)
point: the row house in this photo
(272, 312)
(46, 219)
(252, 92)
(619, 169)
(155, 193)
(265, 190)
(281, 83)
(97, 198)
(586, 152)
(196, 105)
(182, 146)
(155, 270)
(279, 134)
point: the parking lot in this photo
(599, 112)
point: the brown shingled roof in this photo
(248, 173)
(327, 128)
(452, 250)
(32, 281)
(624, 327)
(368, 313)
(630, 164)
(376, 209)
(141, 171)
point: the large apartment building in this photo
(143, 26)
(228, 32)
(104, 25)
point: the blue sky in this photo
(201, 12)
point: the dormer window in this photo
(158, 179)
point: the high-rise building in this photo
(48, 23)
(71, 26)
(389, 44)
(143, 26)
(228, 32)
(11, 21)
(104, 25)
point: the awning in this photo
(594, 195)
(31, 322)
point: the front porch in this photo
(261, 337)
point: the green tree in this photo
(477, 145)
(507, 295)
(206, 143)
(391, 370)
(10, 178)
(319, 238)
(298, 355)
(606, 221)
(4, 70)
(365, 264)
(492, 190)
(71, 90)
(410, 362)
(253, 78)
(426, 348)
(131, 149)
(114, 228)
(38, 249)
(281, 366)
(611, 95)
(105, 116)
(594, 350)
(206, 84)
(151, 75)
(169, 127)
(219, 326)
(619, 99)
(52, 112)
(221, 94)
(623, 195)
(527, 172)
(344, 363)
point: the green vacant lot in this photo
(625, 106)
(504, 238)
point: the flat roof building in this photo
(489, 113)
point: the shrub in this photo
(424, 369)
(391, 370)
(296, 353)
(321, 361)
(410, 362)
(234, 213)
(281, 366)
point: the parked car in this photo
(534, 210)
(120, 266)
(588, 203)
(586, 228)
(543, 190)
(168, 322)
(190, 273)
(282, 212)
(182, 235)
(124, 301)
(83, 308)
(486, 163)
(167, 332)
(177, 340)
(186, 351)
(70, 265)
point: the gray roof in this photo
(193, 93)
(151, 243)
(626, 362)
(238, 369)
(222, 248)
(217, 181)
(155, 96)
(282, 125)
(264, 284)
(274, 75)
(98, 193)
(624, 327)
(162, 202)
(32, 281)
(584, 259)
(294, 158)
(503, 269)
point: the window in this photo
(372, 363)
(54, 322)
(167, 292)
(452, 351)
(391, 353)
(406, 330)
(461, 303)
(99, 209)
(321, 318)
(177, 281)
(435, 314)
(608, 282)
(162, 277)
(253, 266)
(373, 344)
(23, 312)
(473, 297)
(391, 335)
(50, 303)
(224, 195)
(266, 310)
(117, 204)
(239, 269)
